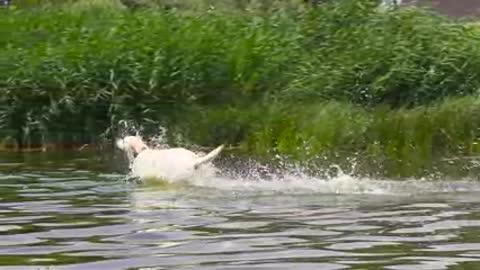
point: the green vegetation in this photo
(397, 88)
(190, 5)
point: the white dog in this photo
(167, 164)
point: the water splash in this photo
(160, 140)
(128, 127)
(341, 184)
(256, 178)
(285, 176)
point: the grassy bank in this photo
(396, 88)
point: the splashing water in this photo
(298, 182)
(294, 178)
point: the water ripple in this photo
(67, 217)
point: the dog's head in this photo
(132, 145)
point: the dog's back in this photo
(170, 164)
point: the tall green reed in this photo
(383, 141)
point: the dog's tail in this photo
(208, 157)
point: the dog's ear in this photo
(124, 145)
(121, 144)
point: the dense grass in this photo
(383, 141)
(341, 78)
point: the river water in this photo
(77, 211)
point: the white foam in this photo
(343, 184)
